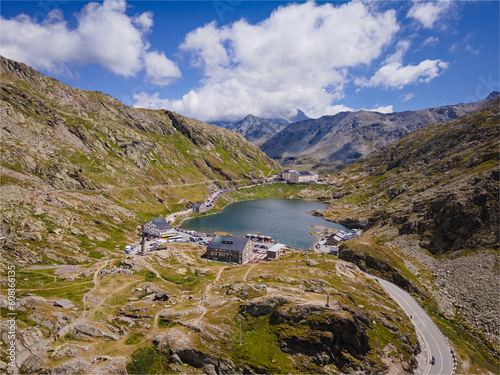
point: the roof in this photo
(161, 224)
(199, 204)
(228, 243)
(289, 171)
(306, 173)
(276, 247)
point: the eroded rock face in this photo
(182, 349)
(94, 331)
(322, 334)
(243, 290)
(264, 306)
(74, 366)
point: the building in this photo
(275, 251)
(304, 176)
(199, 208)
(157, 227)
(294, 177)
(230, 249)
(286, 174)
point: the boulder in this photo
(74, 366)
(110, 365)
(93, 331)
(64, 303)
(33, 364)
(263, 306)
(161, 296)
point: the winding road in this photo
(435, 342)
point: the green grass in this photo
(72, 292)
(149, 361)
(481, 359)
(259, 347)
(135, 338)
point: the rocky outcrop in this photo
(377, 267)
(183, 350)
(74, 366)
(243, 290)
(93, 330)
(323, 335)
(264, 306)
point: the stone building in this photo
(230, 249)
(157, 227)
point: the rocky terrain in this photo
(332, 142)
(80, 170)
(256, 130)
(259, 130)
(161, 326)
(429, 205)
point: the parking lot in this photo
(180, 235)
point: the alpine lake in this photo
(285, 220)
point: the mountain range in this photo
(258, 130)
(332, 142)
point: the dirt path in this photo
(96, 275)
(158, 275)
(58, 287)
(248, 271)
(209, 286)
(113, 292)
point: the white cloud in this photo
(408, 96)
(299, 57)
(104, 34)
(428, 12)
(401, 48)
(430, 41)
(395, 75)
(160, 70)
(383, 109)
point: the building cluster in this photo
(335, 239)
(296, 177)
(200, 207)
(158, 228)
(239, 250)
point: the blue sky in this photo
(221, 60)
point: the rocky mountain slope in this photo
(334, 141)
(429, 204)
(256, 130)
(152, 320)
(80, 167)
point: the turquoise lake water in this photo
(286, 220)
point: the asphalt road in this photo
(433, 338)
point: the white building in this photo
(303, 176)
(286, 174)
(157, 227)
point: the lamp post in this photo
(239, 317)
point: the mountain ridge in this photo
(338, 140)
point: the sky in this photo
(222, 60)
